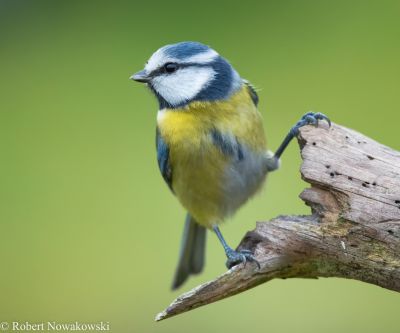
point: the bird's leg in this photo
(310, 118)
(234, 257)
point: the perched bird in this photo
(211, 146)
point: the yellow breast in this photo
(198, 166)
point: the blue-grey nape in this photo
(222, 86)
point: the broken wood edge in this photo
(324, 244)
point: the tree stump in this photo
(353, 231)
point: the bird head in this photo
(181, 73)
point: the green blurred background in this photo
(90, 232)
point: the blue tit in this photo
(211, 145)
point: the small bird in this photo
(210, 140)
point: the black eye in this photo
(170, 67)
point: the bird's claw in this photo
(310, 118)
(237, 257)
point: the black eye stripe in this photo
(161, 69)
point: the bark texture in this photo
(353, 231)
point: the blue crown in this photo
(184, 50)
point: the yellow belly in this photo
(200, 171)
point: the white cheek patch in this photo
(184, 84)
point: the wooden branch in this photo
(353, 232)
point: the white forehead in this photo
(161, 57)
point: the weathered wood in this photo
(353, 232)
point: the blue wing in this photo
(163, 159)
(227, 144)
(252, 92)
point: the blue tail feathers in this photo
(192, 253)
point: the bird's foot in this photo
(310, 118)
(237, 257)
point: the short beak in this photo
(141, 76)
